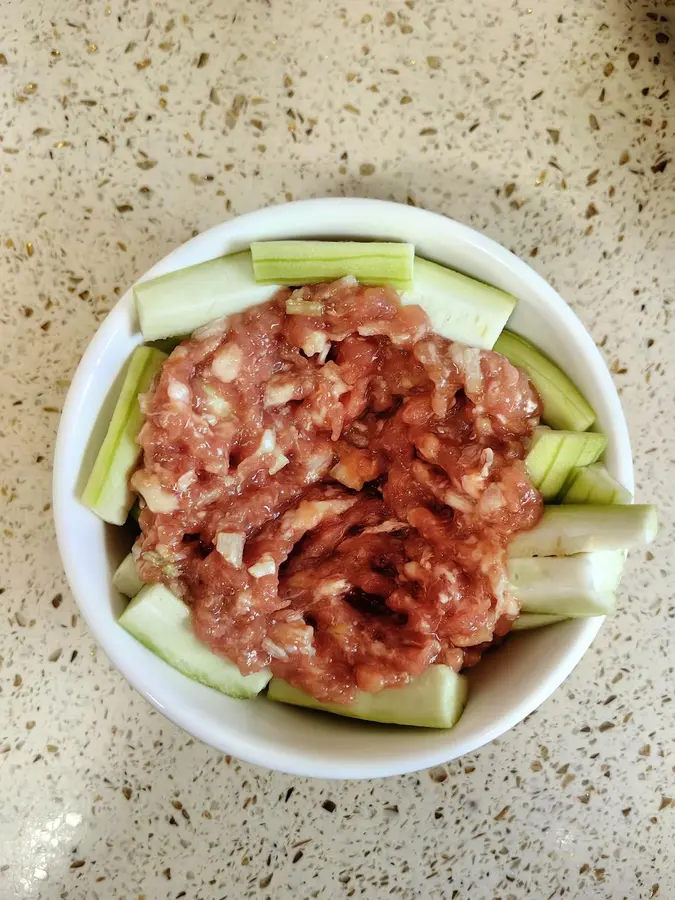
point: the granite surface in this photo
(128, 127)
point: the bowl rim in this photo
(267, 755)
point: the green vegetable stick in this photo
(306, 262)
(107, 492)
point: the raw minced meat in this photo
(333, 494)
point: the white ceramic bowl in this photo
(508, 685)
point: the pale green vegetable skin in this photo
(107, 492)
(554, 454)
(564, 407)
(182, 301)
(307, 262)
(564, 530)
(594, 484)
(528, 621)
(569, 586)
(126, 578)
(460, 308)
(433, 700)
(162, 622)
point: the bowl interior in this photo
(505, 687)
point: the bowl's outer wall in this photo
(505, 688)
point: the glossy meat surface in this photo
(333, 491)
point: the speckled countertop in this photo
(125, 129)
